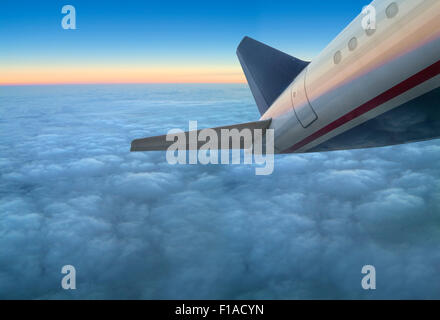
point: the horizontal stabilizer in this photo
(268, 71)
(160, 143)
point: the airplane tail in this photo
(267, 70)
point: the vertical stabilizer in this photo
(268, 70)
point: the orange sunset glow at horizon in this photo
(115, 75)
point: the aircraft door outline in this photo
(300, 102)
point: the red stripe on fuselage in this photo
(408, 84)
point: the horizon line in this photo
(25, 84)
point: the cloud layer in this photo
(136, 227)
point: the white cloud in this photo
(137, 227)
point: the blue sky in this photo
(199, 34)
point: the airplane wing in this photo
(160, 143)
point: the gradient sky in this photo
(166, 41)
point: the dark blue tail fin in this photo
(268, 71)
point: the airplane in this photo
(370, 87)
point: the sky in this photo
(134, 226)
(157, 41)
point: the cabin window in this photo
(392, 10)
(352, 44)
(338, 57)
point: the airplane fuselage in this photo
(360, 78)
